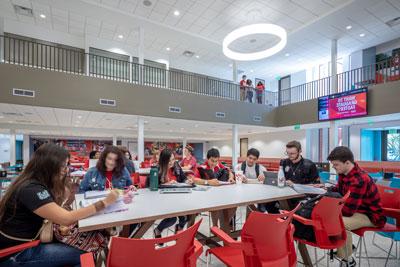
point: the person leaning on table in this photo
(221, 173)
(37, 195)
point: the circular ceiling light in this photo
(254, 29)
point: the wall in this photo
(4, 148)
(271, 145)
(298, 78)
(387, 47)
(356, 60)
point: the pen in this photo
(121, 210)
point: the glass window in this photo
(393, 146)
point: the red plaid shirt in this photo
(364, 196)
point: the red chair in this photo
(181, 250)
(11, 250)
(326, 220)
(390, 199)
(266, 240)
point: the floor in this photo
(373, 251)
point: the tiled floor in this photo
(373, 251)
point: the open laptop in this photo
(271, 178)
(176, 185)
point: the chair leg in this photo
(316, 257)
(390, 250)
(366, 252)
(359, 247)
(328, 258)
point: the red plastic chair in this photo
(390, 199)
(11, 250)
(182, 251)
(326, 220)
(266, 240)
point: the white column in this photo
(140, 139)
(235, 145)
(114, 140)
(141, 46)
(234, 71)
(333, 66)
(184, 142)
(167, 74)
(87, 58)
(130, 69)
(1, 39)
(13, 155)
(26, 149)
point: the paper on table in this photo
(224, 183)
(118, 206)
(308, 189)
(96, 194)
(253, 181)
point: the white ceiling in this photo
(201, 26)
(67, 122)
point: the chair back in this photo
(390, 196)
(324, 176)
(12, 250)
(395, 182)
(179, 250)
(268, 238)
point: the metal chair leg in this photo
(390, 250)
(366, 252)
(359, 247)
(316, 257)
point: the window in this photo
(393, 146)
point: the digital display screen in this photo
(343, 105)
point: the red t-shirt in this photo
(191, 161)
(243, 83)
(260, 87)
(170, 175)
(109, 179)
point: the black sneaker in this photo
(345, 263)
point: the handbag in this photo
(45, 234)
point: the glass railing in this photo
(56, 58)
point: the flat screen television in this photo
(344, 105)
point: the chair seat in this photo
(387, 228)
(335, 245)
(229, 256)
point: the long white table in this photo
(146, 171)
(149, 206)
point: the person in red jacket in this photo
(260, 92)
(363, 207)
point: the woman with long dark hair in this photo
(34, 196)
(109, 173)
(169, 173)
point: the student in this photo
(37, 195)
(128, 159)
(109, 173)
(169, 173)
(260, 91)
(363, 207)
(92, 155)
(243, 85)
(221, 173)
(249, 93)
(156, 156)
(189, 162)
(297, 169)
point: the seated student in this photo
(363, 207)
(254, 171)
(297, 169)
(128, 159)
(92, 155)
(221, 173)
(156, 156)
(189, 162)
(169, 173)
(37, 195)
(109, 173)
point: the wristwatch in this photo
(205, 182)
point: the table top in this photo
(151, 205)
(146, 171)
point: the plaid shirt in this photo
(364, 196)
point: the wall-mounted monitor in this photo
(344, 105)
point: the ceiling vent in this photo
(24, 11)
(108, 102)
(175, 109)
(257, 118)
(188, 53)
(23, 92)
(393, 22)
(220, 115)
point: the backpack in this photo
(243, 168)
(306, 232)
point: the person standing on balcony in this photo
(243, 85)
(260, 91)
(249, 93)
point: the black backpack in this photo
(243, 168)
(306, 232)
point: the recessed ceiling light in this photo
(170, 131)
(362, 34)
(79, 117)
(168, 49)
(251, 70)
(196, 125)
(230, 65)
(197, 56)
(43, 16)
(287, 54)
(146, 122)
(349, 27)
(300, 59)
(176, 13)
(120, 36)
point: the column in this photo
(114, 140)
(1, 39)
(312, 144)
(140, 139)
(130, 69)
(235, 78)
(87, 57)
(26, 149)
(13, 141)
(333, 66)
(141, 54)
(235, 145)
(184, 142)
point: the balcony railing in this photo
(57, 58)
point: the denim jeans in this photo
(171, 221)
(45, 255)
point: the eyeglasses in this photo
(291, 154)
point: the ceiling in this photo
(201, 26)
(67, 122)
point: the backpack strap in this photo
(243, 167)
(257, 169)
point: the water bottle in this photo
(153, 178)
(281, 177)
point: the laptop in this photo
(175, 190)
(271, 178)
(176, 185)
